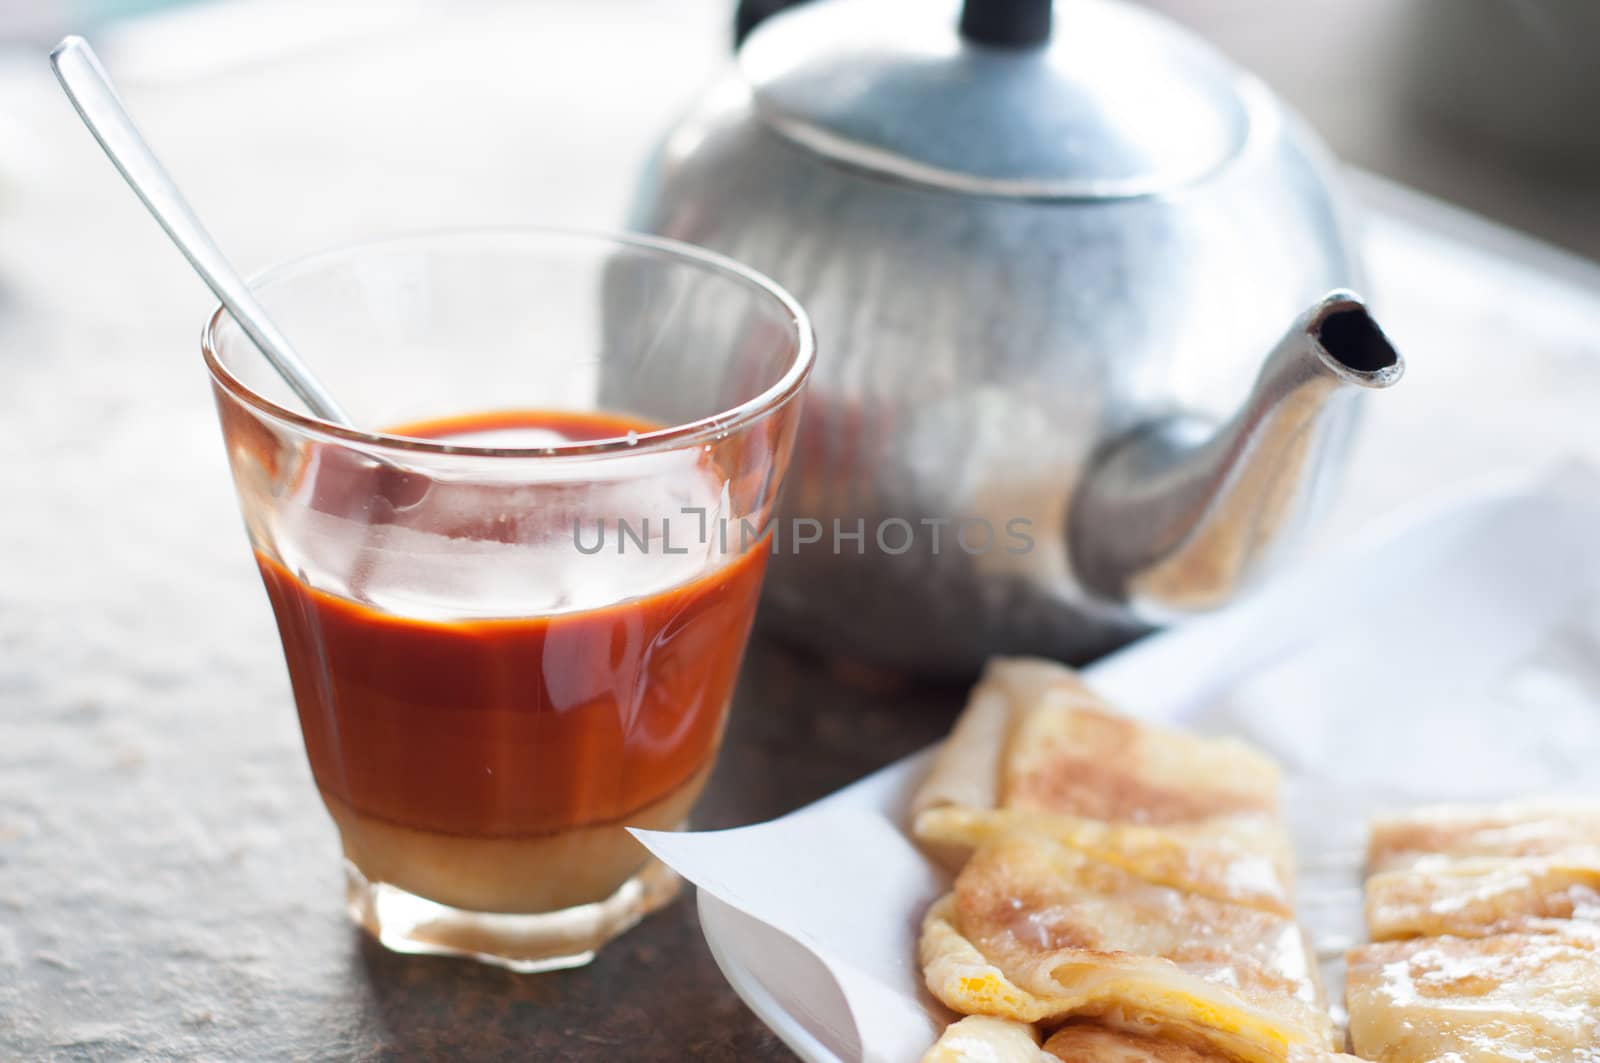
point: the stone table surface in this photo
(169, 887)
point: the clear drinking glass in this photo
(514, 602)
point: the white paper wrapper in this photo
(1456, 658)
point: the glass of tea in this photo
(514, 601)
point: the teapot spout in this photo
(1177, 516)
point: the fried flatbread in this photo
(1473, 871)
(1036, 750)
(1038, 931)
(1091, 1043)
(1567, 829)
(1243, 862)
(1480, 896)
(1533, 998)
(986, 1039)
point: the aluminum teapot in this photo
(1049, 255)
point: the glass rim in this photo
(667, 437)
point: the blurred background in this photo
(1485, 103)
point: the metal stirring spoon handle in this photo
(89, 88)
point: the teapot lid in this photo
(1111, 101)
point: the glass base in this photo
(544, 941)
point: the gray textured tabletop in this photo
(169, 886)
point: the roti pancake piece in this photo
(1480, 896)
(986, 1039)
(1091, 1043)
(1243, 862)
(1568, 829)
(1085, 1042)
(1037, 749)
(1034, 737)
(1083, 759)
(1037, 931)
(1533, 998)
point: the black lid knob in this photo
(751, 13)
(1006, 23)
